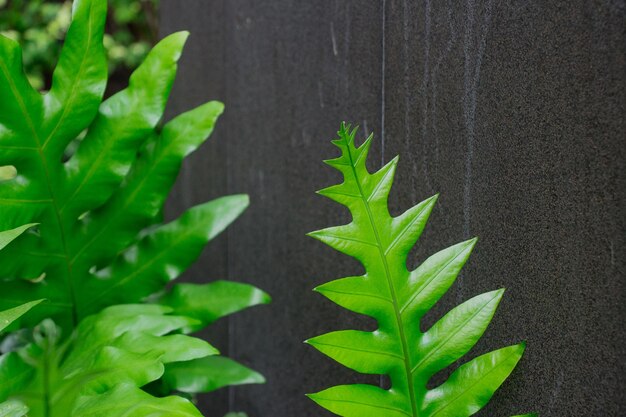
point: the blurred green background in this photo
(40, 26)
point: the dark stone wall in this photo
(512, 110)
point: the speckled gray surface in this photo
(512, 110)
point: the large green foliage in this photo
(89, 179)
(398, 299)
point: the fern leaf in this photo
(92, 205)
(210, 302)
(161, 256)
(83, 182)
(208, 374)
(398, 299)
(112, 227)
(79, 80)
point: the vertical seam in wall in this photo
(231, 320)
(382, 93)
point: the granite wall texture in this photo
(512, 110)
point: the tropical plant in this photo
(398, 299)
(88, 179)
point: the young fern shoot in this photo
(398, 299)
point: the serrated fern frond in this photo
(89, 178)
(398, 299)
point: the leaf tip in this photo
(265, 298)
(470, 243)
(314, 234)
(239, 202)
(183, 34)
(213, 107)
(315, 397)
(174, 44)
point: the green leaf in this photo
(9, 316)
(62, 195)
(208, 374)
(79, 79)
(140, 198)
(162, 255)
(455, 334)
(361, 401)
(123, 123)
(209, 302)
(471, 386)
(398, 299)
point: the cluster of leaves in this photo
(82, 188)
(398, 299)
(41, 25)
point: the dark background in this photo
(512, 110)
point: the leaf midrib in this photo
(373, 352)
(394, 299)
